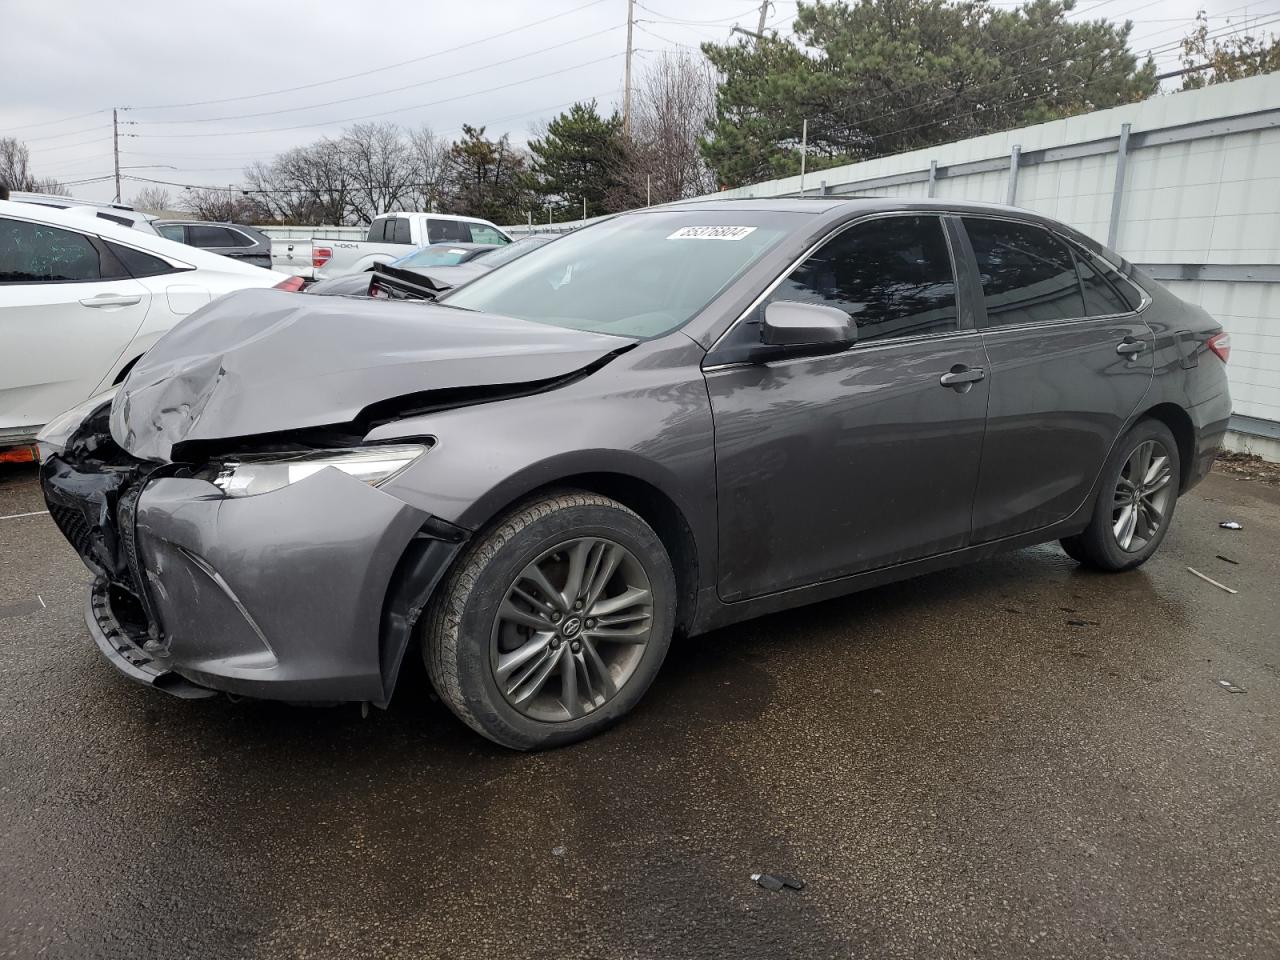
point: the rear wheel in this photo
(1135, 503)
(553, 623)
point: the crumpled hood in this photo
(263, 361)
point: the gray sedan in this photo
(665, 423)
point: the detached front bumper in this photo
(307, 593)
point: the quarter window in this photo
(892, 275)
(36, 253)
(207, 236)
(1100, 298)
(139, 264)
(1028, 276)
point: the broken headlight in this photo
(255, 473)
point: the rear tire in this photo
(1136, 499)
(553, 622)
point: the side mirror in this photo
(807, 327)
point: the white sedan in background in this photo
(82, 298)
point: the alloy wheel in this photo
(572, 629)
(1142, 496)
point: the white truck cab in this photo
(394, 235)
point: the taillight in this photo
(1220, 343)
(320, 256)
(378, 292)
(290, 284)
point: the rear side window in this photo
(448, 231)
(401, 231)
(1028, 276)
(892, 275)
(36, 253)
(482, 234)
(1100, 297)
(140, 264)
(206, 235)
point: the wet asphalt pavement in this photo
(1012, 759)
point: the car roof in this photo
(84, 220)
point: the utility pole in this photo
(626, 96)
(764, 12)
(115, 148)
(804, 152)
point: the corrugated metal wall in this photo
(1199, 199)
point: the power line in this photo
(383, 113)
(49, 123)
(59, 136)
(379, 93)
(668, 18)
(365, 73)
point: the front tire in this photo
(1136, 499)
(553, 622)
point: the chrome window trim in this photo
(868, 347)
(834, 232)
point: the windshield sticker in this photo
(711, 233)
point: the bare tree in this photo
(152, 200)
(222, 205)
(306, 185)
(378, 160)
(429, 163)
(671, 107)
(15, 170)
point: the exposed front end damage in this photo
(307, 593)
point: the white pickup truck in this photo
(391, 236)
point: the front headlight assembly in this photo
(255, 473)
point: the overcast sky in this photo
(501, 63)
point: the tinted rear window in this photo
(1028, 275)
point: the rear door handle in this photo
(961, 378)
(1127, 348)
(112, 300)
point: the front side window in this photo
(892, 275)
(36, 253)
(636, 275)
(484, 234)
(172, 231)
(1028, 275)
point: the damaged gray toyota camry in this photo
(661, 424)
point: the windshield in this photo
(514, 251)
(637, 275)
(438, 256)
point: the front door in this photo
(1069, 363)
(831, 465)
(62, 322)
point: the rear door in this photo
(1070, 360)
(831, 465)
(68, 309)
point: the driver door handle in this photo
(1127, 347)
(961, 377)
(112, 300)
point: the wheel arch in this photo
(633, 482)
(124, 371)
(1184, 434)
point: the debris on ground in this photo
(1206, 579)
(771, 882)
(1083, 623)
(1247, 466)
(1231, 525)
(558, 851)
(1228, 560)
(1230, 687)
